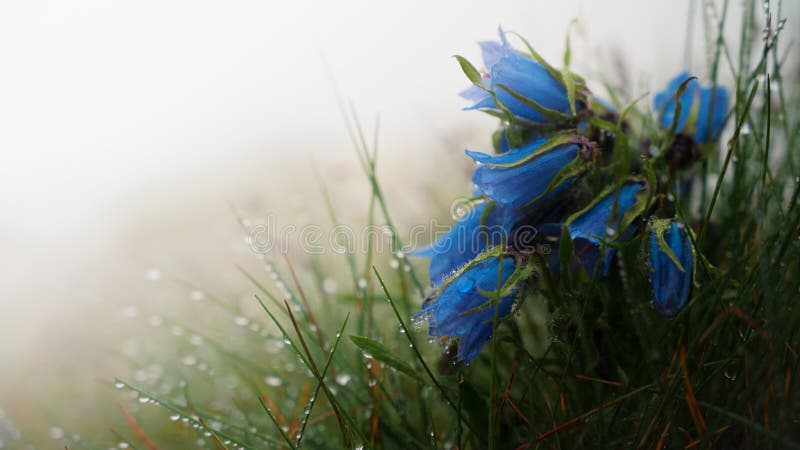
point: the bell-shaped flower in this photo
(465, 307)
(529, 88)
(481, 227)
(606, 219)
(524, 175)
(671, 266)
(702, 109)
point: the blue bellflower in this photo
(517, 186)
(462, 311)
(593, 225)
(670, 275)
(703, 109)
(465, 240)
(522, 75)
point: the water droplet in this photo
(730, 371)
(130, 347)
(152, 274)
(745, 129)
(176, 330)
(362, 283)
(394, 264)
(119, 385)
(464, 285)
(197, 295)
(196, 340)
(55, 433)
(241, 321)
(123, 445)
(272, 381)
(174, 417)
(329, 285)
(342, 379)
(189, 360)
(130, 311)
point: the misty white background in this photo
(127, 127)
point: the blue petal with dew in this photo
(464, 241)
(448, 314)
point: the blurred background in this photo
(131, 131)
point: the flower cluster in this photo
(563, 176)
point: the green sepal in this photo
(678, 104)
(550, 114)
(475, 77)
(561, 138)
(573, 169)
(470, 71)
(519, 275)
(555, 73)
(643, 200)
(659, 227)
(567, 77)
(494, 252)
(569, 84)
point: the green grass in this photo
(583, 362)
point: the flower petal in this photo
(464, 241)
(594, 224)
(706, 116)
(515, 187)
(665, 104)
(453, 313)
(671, 283)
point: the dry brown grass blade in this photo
(691, 400)
(599, 380)
(137, 429)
